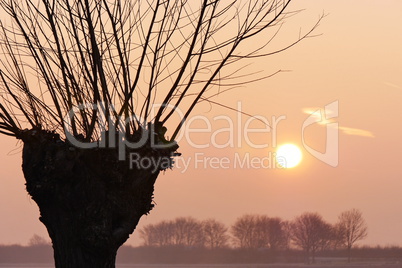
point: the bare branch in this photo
(125, 57)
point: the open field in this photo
(355, 265)
(352, 265)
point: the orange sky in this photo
(357, 62)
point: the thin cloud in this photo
(316, 113)
(392, 85)
(357, 132)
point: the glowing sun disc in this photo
(288, 155)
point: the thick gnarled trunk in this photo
(89, 201)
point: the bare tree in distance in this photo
(160, 234)
(243, 232)
(311, 233)
(277, 236)
(182, 231)
(287, 234)
(87, 84)
(351, 228)
(259, 231)
(37, 240)
(188, 232)
(215, 234)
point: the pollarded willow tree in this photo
(88, 84)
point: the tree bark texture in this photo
(89, 201)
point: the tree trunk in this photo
(307, 256)
(89, 201)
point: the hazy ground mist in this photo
(17, 256)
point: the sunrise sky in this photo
(355, 65)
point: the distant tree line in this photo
(308, 232)
(250, 239)
(186, 231)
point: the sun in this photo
(288, 155)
